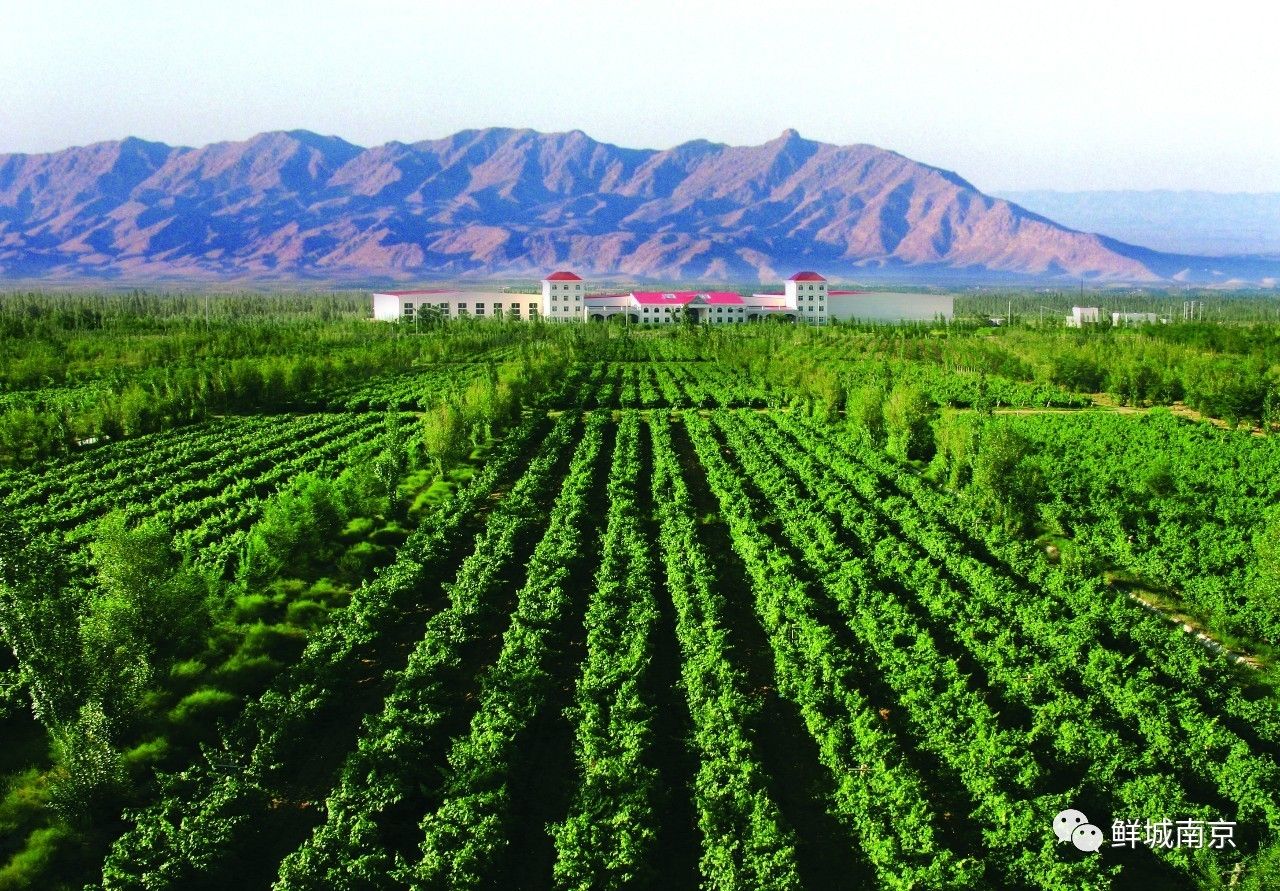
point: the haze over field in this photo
(1189, 222)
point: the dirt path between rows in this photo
(1107, 403)
(1191, 626)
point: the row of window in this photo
(577, 287)
(513, 309)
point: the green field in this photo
(292, 599)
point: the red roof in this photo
(806, 276)
(416, 293)
(681, 298)
(562, 275)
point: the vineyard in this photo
(600, 609)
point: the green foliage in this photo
(1263, 873)
(907, 417)
(865, 411)
(1006, 480)
(297, 530)
(45, 850)
(444, 435)
(150, 610)
(1267, 549)
(89, 775)
(201, 707)
(956, 443)
(146, 755)
(25, 797)
(39, 622)
(911, 634)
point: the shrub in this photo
(204, 705)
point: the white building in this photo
(1134, 318)
(562, 296)
(888, 306)
(450, 303)
(1083, 315)
(804, 297)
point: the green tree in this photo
(88, 778)
(149, 609)
(39, 622)
(1006, 480)
(444, 435)
(907, 416)
(864, 410)
(299, 527)
(956, 442)
(1263, 872)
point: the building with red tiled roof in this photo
(565, 297)
(562, 296)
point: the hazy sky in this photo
(1065, 95)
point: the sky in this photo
(1030, 95)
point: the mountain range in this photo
(514, 203)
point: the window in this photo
(409, 306)
(479, 309)
(577, 287)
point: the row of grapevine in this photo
(399, 750)
(1008, 631)
(608, 838)
(1175, 656)
(463, 839)
(881, 799)
(745, 840)
(1022, 629)
(948, 718)
(1036, 680)
(190, 488)
(124, 463)
(191, 835)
